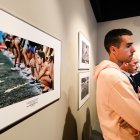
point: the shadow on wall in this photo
(88, 133)
(70, 127)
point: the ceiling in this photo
(107, 10)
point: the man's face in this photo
(125, 51)
(133, 65)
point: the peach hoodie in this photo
(115, 98)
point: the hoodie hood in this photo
(103, 65)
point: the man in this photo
(130, 69)
(115, 98)
(137, 78)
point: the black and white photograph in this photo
(29, 69)
(84, 81)
(84, 52)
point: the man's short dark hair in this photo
(113, 38)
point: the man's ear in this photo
(126, 64)
(113, 49)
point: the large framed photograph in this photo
(84, 82)
(84, 52)
(29, 70)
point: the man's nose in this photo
(133, 49)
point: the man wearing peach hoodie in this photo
(118, 106)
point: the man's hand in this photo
(123, 123)
(128, 127)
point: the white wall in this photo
(62, 19)
(129, 23)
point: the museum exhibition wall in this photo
(54, 24)
(71, 24)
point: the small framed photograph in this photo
(84, 82)
(84, 52)
(29, 70)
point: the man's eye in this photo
(128, 46)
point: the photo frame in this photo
(84, 87)
(24, 93)
(84, 52)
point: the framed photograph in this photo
(84, 52)
(29, 70)
(84, 82)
